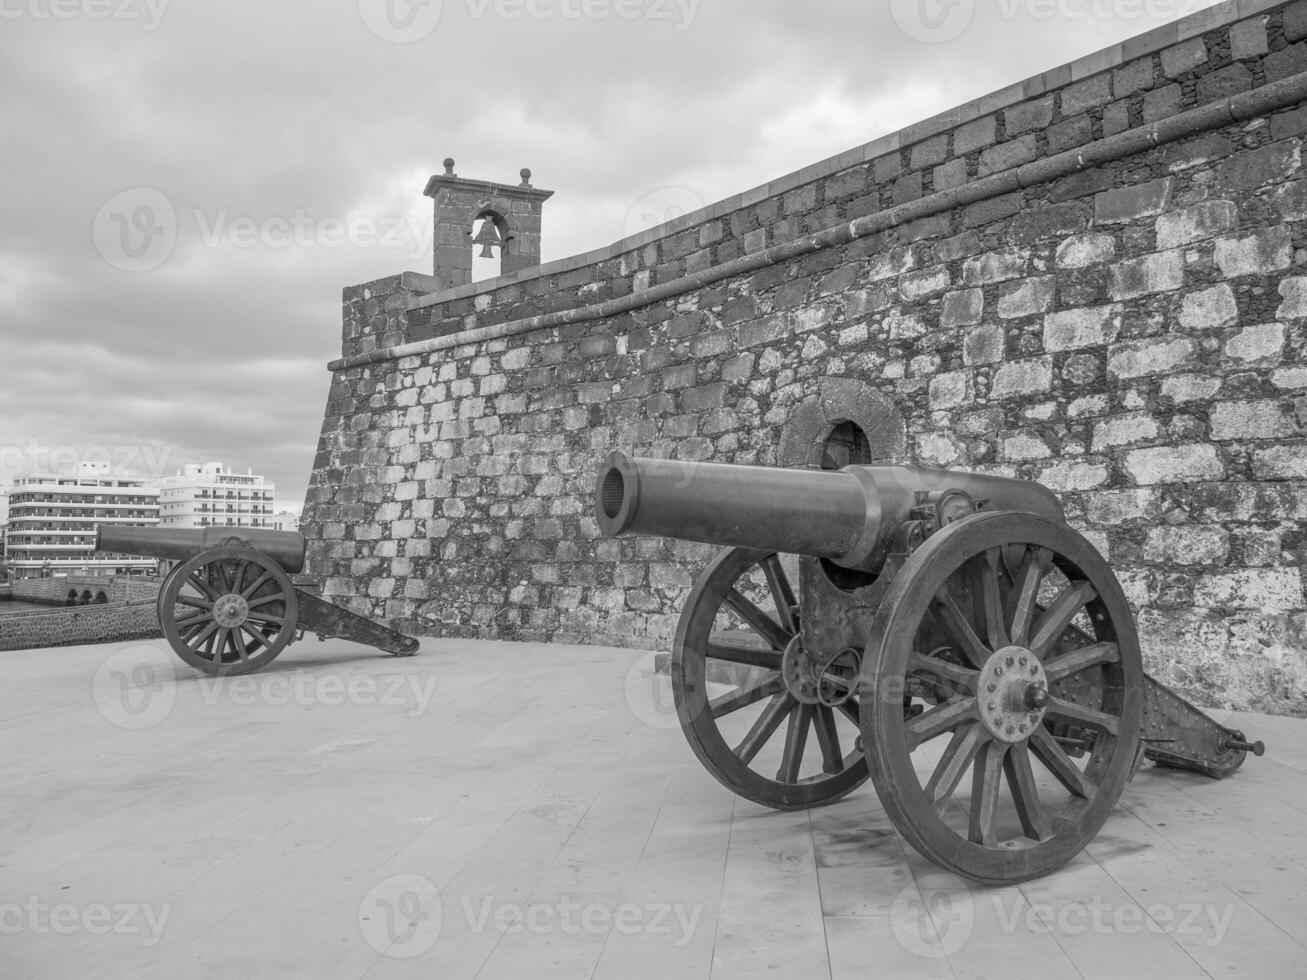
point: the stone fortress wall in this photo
(1096, 278)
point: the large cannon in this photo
(229, 605)
(944, 625)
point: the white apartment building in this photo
(205, 494)
(53, 517)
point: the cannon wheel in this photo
(239, 610)
(989, 617)
(753, 736)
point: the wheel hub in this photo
(230, 611)
(1013, 692)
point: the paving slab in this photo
(492, 809)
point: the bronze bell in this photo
(487, 238)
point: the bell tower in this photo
(510, 224)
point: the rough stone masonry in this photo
(1096, 279)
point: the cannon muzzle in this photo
(286, 548)
(849, 516)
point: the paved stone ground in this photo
(348, 815)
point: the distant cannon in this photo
(945, 625)
(229, 606)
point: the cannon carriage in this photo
(945, 634)
(229, 606)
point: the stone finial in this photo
(525, 173)
(449, 166)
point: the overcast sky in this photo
(178, 176)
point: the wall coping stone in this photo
(1087, 66)
(1234, 108)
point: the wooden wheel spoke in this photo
(266, 617)
(758, 621)
(961, 752)
(196, 580)
(986, 781)
(195, 602)
(203, 616)
(259, 639)
(1023, 597)
(764, 727)
(1047, 751)
(256, 585)
(236, 584)
(264, 600)
(1058, 616)
(1081, 715)
(781, 592)
(940, 719)
(1064, 665)
(748, 656)
(959, 630)
(796, 739)
(744, 697)
(828, 739)
(963, 679)
(989, 598)
(1025, 794)
(205, 634)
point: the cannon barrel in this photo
(286, 548)
(848, 516)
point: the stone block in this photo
(929, 152)
(1124, 430)
(1184, 388)
(1132, 77)
(1186, 544)
(928, 282)
(1183, 57)
(1005, 156)
(1224, 82)
(974, 135)
(1022, 447)
(1271, 164)
(1162, 103)
(1088, 94)
(1248, 39)
(1157, 273)
(1261, 344)
(1073, 475)
(983, 345)
(1265, 251)
(1293, 291)
(951, 389)
(1175, 464)
(962, 308)
(1133, 202)
(1194, 224)
(1251, 588)
(1070, 133)
(1287, 462)
(1087, 327)
(991, 267)
(951, 174)
(1091, 248)
(1116, 118)
(1026, 298)
(1206, 309)
(1020, 378)
(1025, 117)
(1259, 419)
